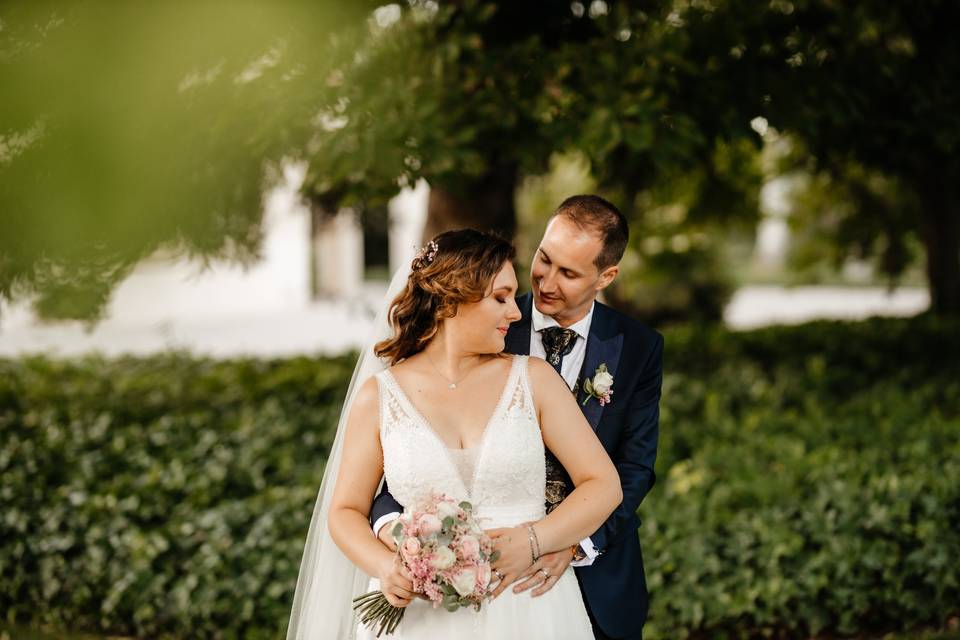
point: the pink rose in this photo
(469, 547)
(429, 524)
(411, 547)
(483, 576)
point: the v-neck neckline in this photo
(497, 409)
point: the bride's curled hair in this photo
(456, 267)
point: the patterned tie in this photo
(557, 342)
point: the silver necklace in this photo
(452, 384)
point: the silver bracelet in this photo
(534, 543)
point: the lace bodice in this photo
(507, 489)
(508, 474)
(465, 460)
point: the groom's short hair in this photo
(593, 213)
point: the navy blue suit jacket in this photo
(614, 586)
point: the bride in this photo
(453, 414)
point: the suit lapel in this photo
(603, 346)
(518, 335)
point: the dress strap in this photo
(521, 396)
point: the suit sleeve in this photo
(636, 452)
(383, 505)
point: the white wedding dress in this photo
(506, 488)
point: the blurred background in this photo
(201, 205)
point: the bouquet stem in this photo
(376, 612)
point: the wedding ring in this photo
(546, 574)
(497, 573)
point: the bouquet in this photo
(443, 547)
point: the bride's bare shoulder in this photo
(543, 377)
(539, 367)
(367, 400)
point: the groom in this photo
(564, 324)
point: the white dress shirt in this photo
(573, 361)
(569, 370)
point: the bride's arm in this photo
(568, 435)
(361, 467)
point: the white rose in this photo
(443, 558)
(447, 510)
(602, 382)
(465, 581)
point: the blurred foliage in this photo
(127, 127)
(808, 485)
(451, 91)
(809, 481)
(867, 89)
(666, 98)
(829, 230)
(682, 232)
(478, 96)
(166, 496)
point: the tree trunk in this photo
(940, 228)
(486, 204)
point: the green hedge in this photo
(809, 484)
(160, 496)
(810, 481)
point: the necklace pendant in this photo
(453, 385)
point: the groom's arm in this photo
(635, 456)
(384, 510)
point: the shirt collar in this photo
(581, 326)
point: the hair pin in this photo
(426, 254)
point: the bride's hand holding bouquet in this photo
(396, 582)
(443, 556)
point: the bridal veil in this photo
(328, 581)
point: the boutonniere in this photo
(600, 387)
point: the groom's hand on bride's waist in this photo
(386, 537)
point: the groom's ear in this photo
(607, 276)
